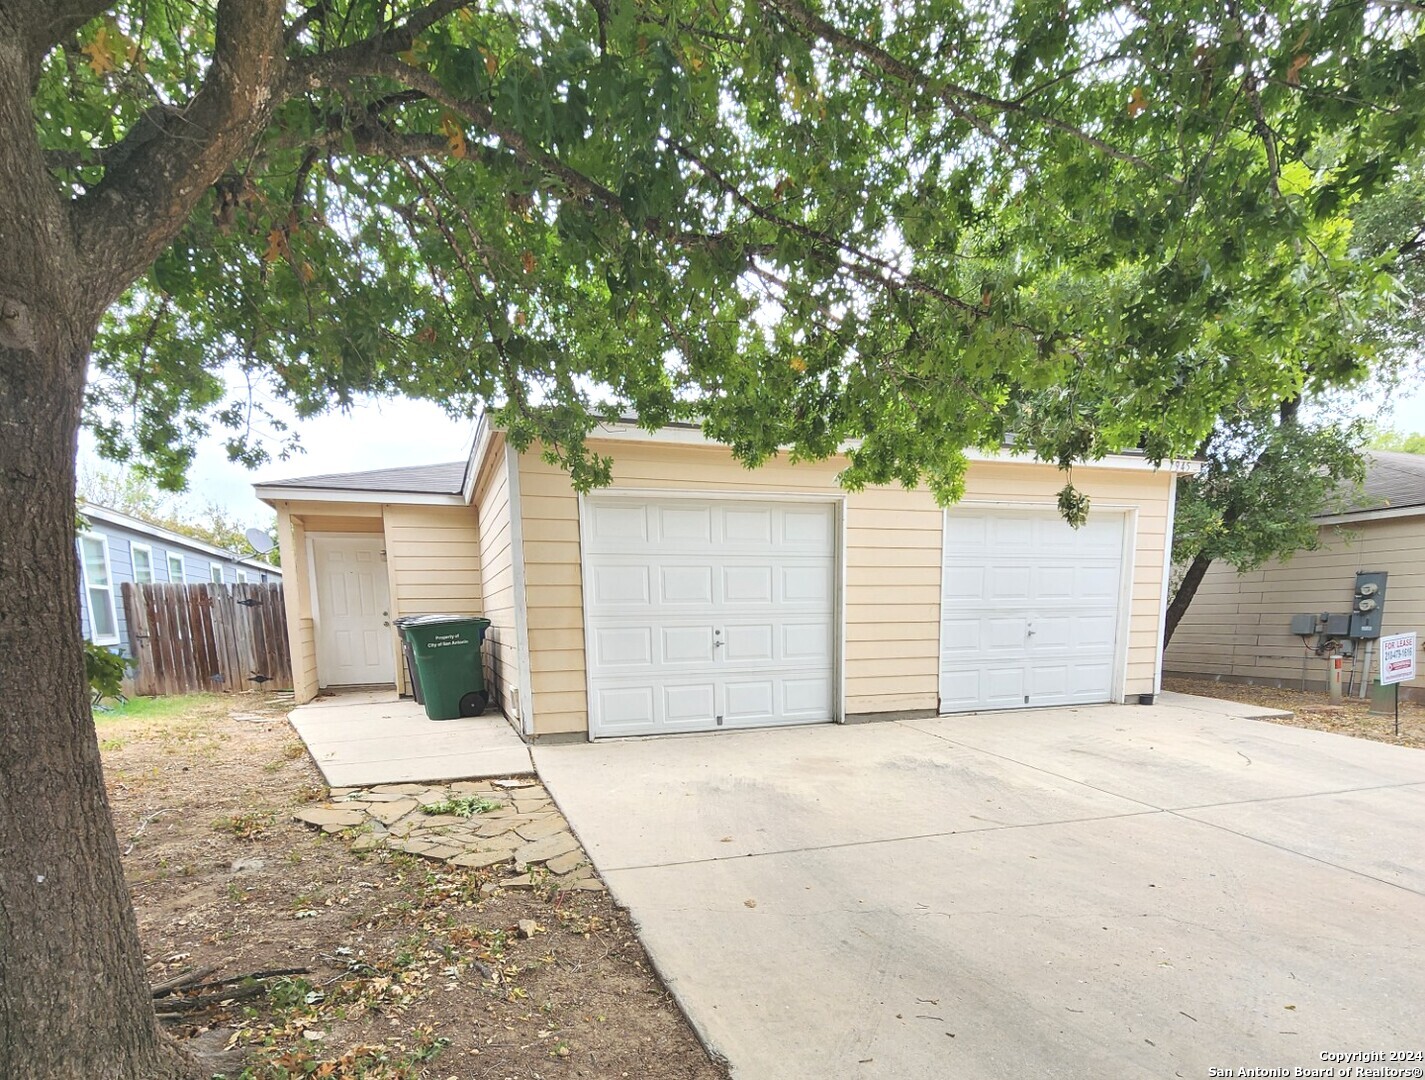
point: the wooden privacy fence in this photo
(200, 637)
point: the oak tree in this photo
(925, 226)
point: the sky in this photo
(384, 434)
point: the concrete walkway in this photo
(1114, 891)
(372, 737)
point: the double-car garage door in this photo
(703, 614)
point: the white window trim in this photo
(107, 639)
(134, 548)
(241, 575)
(219, 580)
(169, 557)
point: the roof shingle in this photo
(1393, 481)
(446, 478)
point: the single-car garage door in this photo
(707, 614)
(1029, 609)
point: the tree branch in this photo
(336, 69)
(952, 95)
(46, 24)
(127, 219)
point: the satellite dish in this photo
(261, 542)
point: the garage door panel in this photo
(611, 522)
(685, 584)
(619, 585)
(683, 523)
(709, 613)
(1004, 685)
(750, 700)
(806, 640)
(998, 634)
(749, 642)
(747, 525)
(747, 584)
(689, 705)
(615, 646)
(808, 527)
(807, 698)
(687, 644)
(624, 708)
(1029, 609)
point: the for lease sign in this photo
(1397, 658)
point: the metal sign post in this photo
(1397, 665)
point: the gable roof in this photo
(453, 482)
(1394, 485)
(93, 512)
(446, 478)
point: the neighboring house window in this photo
(215, 573)
(242, 577)
(175, 569)
(99, 589)
(143, 563)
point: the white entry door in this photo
(354, 645)
(708, 614)
(1029, 609)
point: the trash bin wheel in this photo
(473, 703)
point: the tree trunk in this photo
(74, 996)
(1182, 599)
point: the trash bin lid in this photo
(426, 620)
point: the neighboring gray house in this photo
(115, 548)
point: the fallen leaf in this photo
(749, 903)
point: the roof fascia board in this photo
(273, 495)
(484, 431)
(1385, 513)
(692, 436)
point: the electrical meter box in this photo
(1368, 606)
(1336, 625)
(1303, 625)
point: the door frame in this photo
(837, 502)
(315, 592)
(1124, 610)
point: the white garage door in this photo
(707, 614)
(1029, 609)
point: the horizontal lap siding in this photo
(892, 565)
(1238, 626)
(433, 564)
(492, 499)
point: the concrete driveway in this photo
(1115, 891)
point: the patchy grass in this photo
(403, 969)
(1313, 709)
(464, 806)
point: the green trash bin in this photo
(446, 650)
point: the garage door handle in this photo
(718, 644)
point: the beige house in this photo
(694, 594)
(1239, 625)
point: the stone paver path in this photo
(525, 834)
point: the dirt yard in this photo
(1311, 709)
(395, 967)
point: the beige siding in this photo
(1238, 626)
(492, 501)
(433, 561)
(893, 553)
(301, 631)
